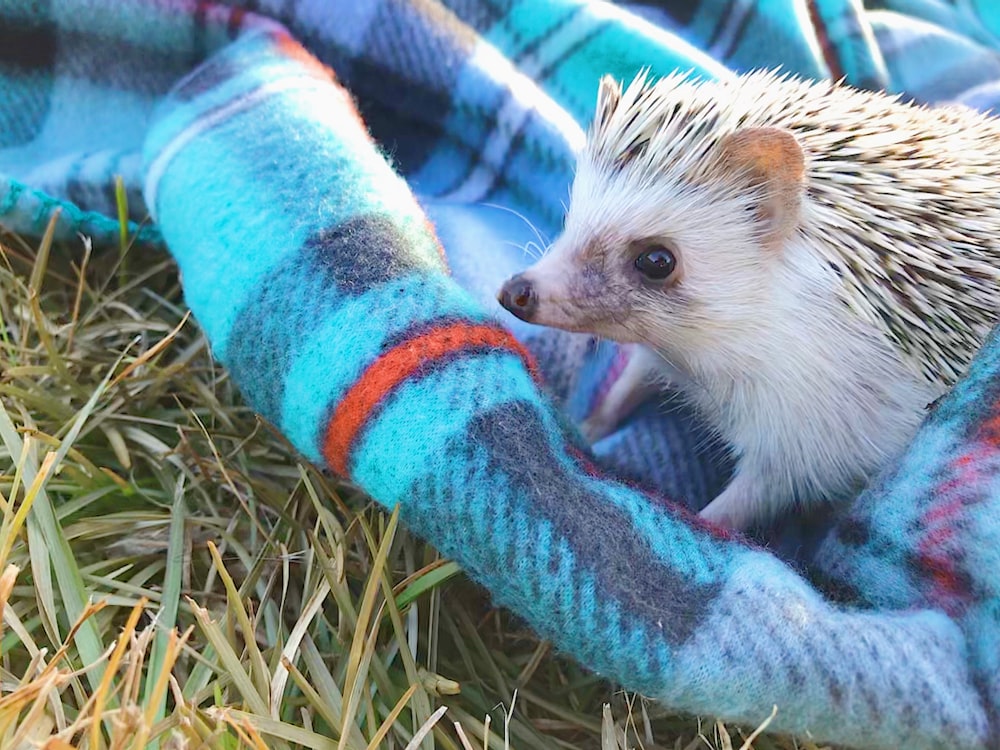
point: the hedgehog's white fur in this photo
(816, 361)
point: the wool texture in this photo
(344, 185)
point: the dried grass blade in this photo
(386, 725)
(88, 248)
(748, 743)
(330, 714)
(362, 643)
(104, 688)
(259, 672)
(152, 352)
(156, 700)
(466, 745)
(427, 580)
(609, 738)
(166, 616)
(421, 702)
(230, 661)
(9, 532)
(6, 586)
(277, 729)
(35, 715)
(426, 728)
(42, 255)
(280, 677)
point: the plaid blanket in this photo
(343, 186)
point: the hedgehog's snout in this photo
(519, 297)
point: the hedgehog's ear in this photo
(770, 159)
(609, 93)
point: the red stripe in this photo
(398, 365)
(989, 431)
(935, 554)
(827, 49)
(235, 23)
(289, 47)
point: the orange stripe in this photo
(394, 367)
(289, 47)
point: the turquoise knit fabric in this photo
(342, 186)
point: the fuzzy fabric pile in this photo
(344, 185)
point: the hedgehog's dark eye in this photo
(656, 263)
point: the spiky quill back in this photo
(902, 201)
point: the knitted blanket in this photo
(343, 185)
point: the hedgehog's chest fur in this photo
(813, 399)
(815, 409)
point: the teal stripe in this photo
(26, 211)
(252, 200)
(406, 437)
(624, 45)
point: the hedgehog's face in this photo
(653, 267)
(675, 259)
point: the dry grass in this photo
(173, 575)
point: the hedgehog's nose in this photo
(518, 296)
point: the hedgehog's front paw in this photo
(598, 425)
(722, 512)
(633, 377)
(738, 507)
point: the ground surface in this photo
(184, 578)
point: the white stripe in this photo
(206, 122)
(555, 46)
(524, 98)
(737, 14)
(346, 24)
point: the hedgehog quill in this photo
(809, 264)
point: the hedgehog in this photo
(811, 265)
